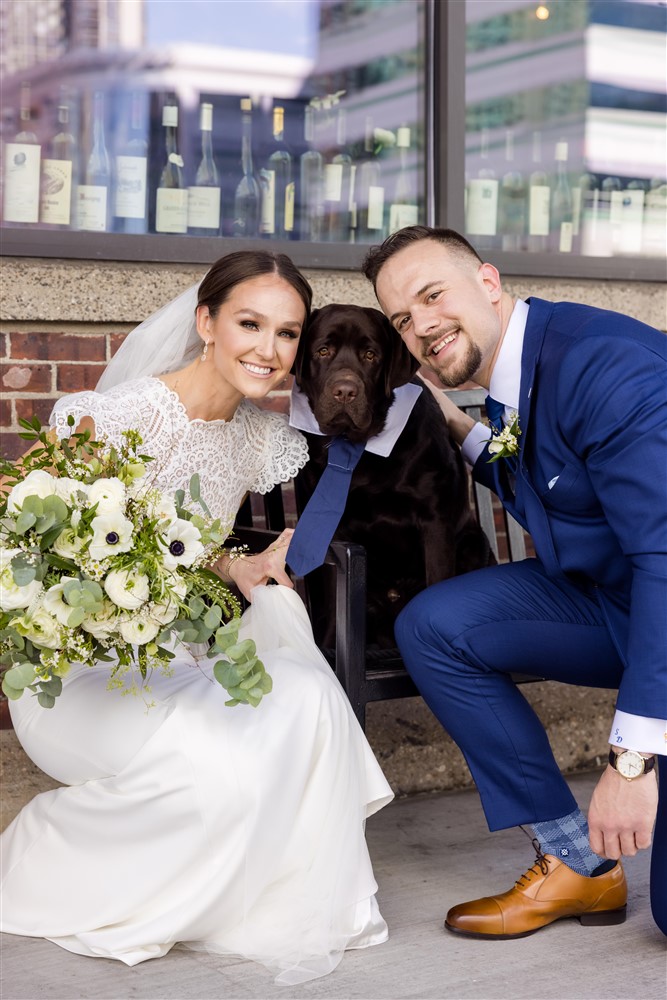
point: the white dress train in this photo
(232, 830)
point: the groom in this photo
(588, 480)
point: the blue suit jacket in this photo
(591, 487)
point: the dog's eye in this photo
(323, 352)
(370, 355)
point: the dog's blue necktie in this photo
(321, 516)
(495, 411)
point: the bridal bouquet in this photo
(98, 566)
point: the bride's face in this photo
(254, 336)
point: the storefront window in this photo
(248, 118)
(566, 127)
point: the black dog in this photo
(409, 510)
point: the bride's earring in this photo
(204, 353)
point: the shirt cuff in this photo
(636, 732)
(475, 442)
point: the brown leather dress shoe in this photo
(548, 891)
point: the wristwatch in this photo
(630, 764)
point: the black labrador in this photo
(410, 510)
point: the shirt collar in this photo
(505, 381)
(303, 419)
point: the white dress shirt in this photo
(634, 732)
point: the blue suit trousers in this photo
(462, 639)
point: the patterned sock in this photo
(567, 839)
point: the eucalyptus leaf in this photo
(212, 617)
(11, 692)
(24, 522)
(53, 687)
(24, 575)
(75, 617)
(33, 505)
(46, 700)
(45, 522)
(226, 674)
(196, 606)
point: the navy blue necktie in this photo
(321, 516)
(495, 411)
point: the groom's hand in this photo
(622, 814)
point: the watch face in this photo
(630, 764)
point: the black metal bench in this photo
(366, 674)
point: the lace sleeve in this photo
(112, 412)
(285, 452)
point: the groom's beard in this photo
(464, 371)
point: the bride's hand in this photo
(253, 571)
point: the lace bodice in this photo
(249, 453)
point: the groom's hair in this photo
(378, 256)
(242, 265)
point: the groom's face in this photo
(446, 308)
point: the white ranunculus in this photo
(37, 483)
(67, 489)
(181, 544)
(112, 533)
(108, 494)
(164, 509)
(103, 623)
(13, 597)
(39, 627)
(139, 630)
(68, 544)
(165, 611)
(54, 600)
(127, 590)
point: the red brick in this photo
(115, 340)
(72, 378)
(5, 413)
(23, 377)
(56, 346)
(4, 345)
(27, 408)
(12, 446)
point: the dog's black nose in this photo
(345, 392)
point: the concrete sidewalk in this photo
(429, 853)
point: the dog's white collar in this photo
(303, 419)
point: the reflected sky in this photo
(285, 26)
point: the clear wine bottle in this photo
(247, 199)
(403, 210)
(311, 183)
(512, 200)
(171, 201)
(131, 181)
(482, 202)
(562, 225)
(539, 200)
(338, 186)
(277, 185)
(92, 197)
(22, 169)
(204, 194)
(369, 195)
(59, 173)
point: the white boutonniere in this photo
(506, 443)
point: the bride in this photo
(231, 830)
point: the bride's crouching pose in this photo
(232, 830)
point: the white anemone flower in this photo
(139, 630)
(181, 544)
(54, 600)
(127, 590)
(112, 533)
(37, 483)
(12, 596)
(109, 494)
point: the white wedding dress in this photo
(231, 830)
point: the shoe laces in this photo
(540, 862)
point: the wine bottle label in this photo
(22, 163)
(267, 183)
(403, 137)
(565, 238)
(56, 202)
(130, 200)
(333, 181)
(204, 208)
(289, 207)
(538, 212)
(401, 216)
(91, 207)
(375, 207)
(482, 207)
(171, 210)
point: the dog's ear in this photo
(400, 365)
(301, 352)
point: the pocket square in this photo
(552, 482)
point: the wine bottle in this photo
(277, 185)
(59, 171)
(171, 202)
(247, 199)
(403, 210)
(338, 186)
(539, 200)
(609, 214)
(22, 169)
(92, 197)
(561, 203)
(311, 183)
(131, 190)
(369, 196)
(631, 227)
(586, 198)
(512, 200)
(204, 195)
(482, 203)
